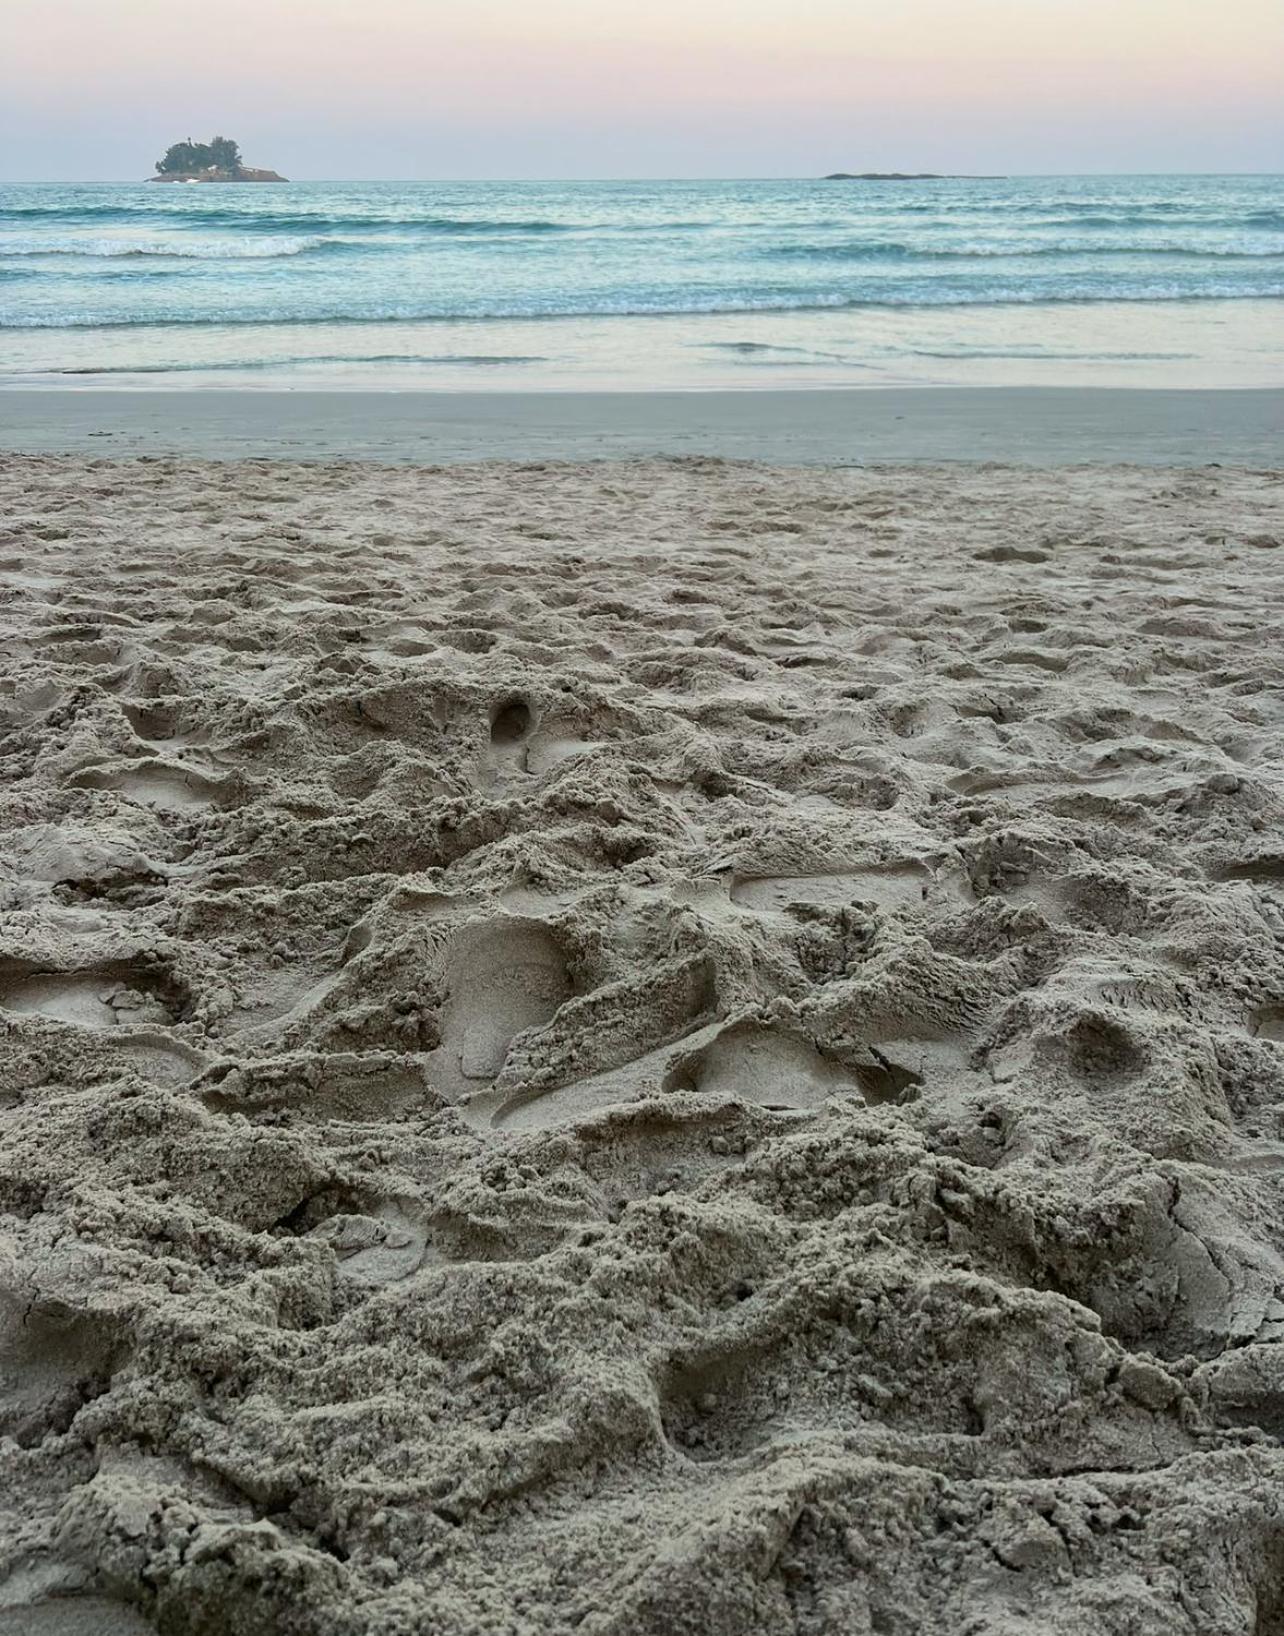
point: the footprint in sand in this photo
(511, 725)
(376, 1249)
(158, 784)
(83, 648)
(568, 1104)
(898, 886)
(762, 1065)
(52, 1361)
(350, 1086)
(548, 750)
(30, 703)
(100, 997)
(74, 1616)
(782, 1071)
(157, 723)
(163, 1061)
(504, 977)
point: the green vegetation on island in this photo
(216, 161)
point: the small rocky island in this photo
(215, 161)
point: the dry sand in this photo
(666, 1048)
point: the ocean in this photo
(1135, 280)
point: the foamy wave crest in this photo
(943, 296)
(113, 249)
(309, 360)
(1033, 249)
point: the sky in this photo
(464, 89)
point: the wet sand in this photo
(1035, 426)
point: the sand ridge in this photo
(664, 1046)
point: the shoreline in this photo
(1029, 426)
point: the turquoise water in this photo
(1163, 280)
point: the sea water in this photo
(1141, 280)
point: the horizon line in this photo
(466, 181)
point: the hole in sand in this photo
(1099, 1048)
(1268, 1023)
(1012, 553)
(153, 722)
(1260, 869)
(510, 722)
(884, 1080)
(121, 892)
(511, 726)
(504, 977)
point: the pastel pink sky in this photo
(425, 88)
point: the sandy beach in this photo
(659, 1046)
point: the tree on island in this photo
(190, 158)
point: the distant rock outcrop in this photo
(242, 174)
(899, 176)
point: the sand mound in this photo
(666, 1048)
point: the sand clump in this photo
(667, 1047)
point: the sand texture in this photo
(675, 1048)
